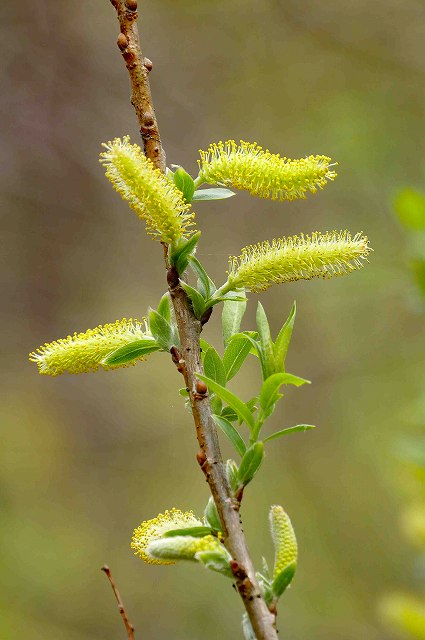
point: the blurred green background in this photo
(84, 459)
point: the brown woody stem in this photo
(128, 626)
(188, 358)
(138, 69)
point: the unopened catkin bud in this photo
(285, 542)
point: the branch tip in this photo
(128, 625)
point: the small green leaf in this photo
(235, 354)
(252, 404)
(204, 346)
(216, 561)
(207, 287)
(284, 579)
(214, 367)
(265, 569)
(266, 343)
(184, 392)
(266, 587)
(216, 404)
(130, 352)
(212, 194)
(251, 462)
(410, 209)
(231, 295)
(232, 433)
(232, 400)
(229, 414)
(269, 393)
(195, 532)
(283, 339)
(161, 330)
(197, 300)
(232, 315)
(211, 515)
(164, 308)
(182, 250)
(252, 337)
(184, 182)
(232, 473)
(288, 430)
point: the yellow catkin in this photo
(83, 352)
(301, 257)
(153, 197)
(285, 542)
(151, 530)
(267, 175)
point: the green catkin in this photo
(297, 258)
(153, 197)
(84, 352)
(267, 175)
(285, 542)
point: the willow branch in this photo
(188, 359)
(209, 457)
(138, 68)
(128, 626)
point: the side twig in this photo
(188, 361)
(128, 626)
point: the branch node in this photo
(122, 42)
(148, 120)
(202, 459)
(147, 64)
(172, 278)
(201, 388)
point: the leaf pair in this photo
(272, 355)
(205, 295)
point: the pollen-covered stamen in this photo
(301, 257)
(153, 197)
(84, 352)
(152, 530)
(266, 175)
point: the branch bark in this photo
(138, 68)
(188, 360)
(128, 626)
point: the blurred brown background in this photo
(84, 459)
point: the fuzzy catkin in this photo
(263, 174)
(84, 352)
(300, 257)
(151, 530)
(153, 197)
